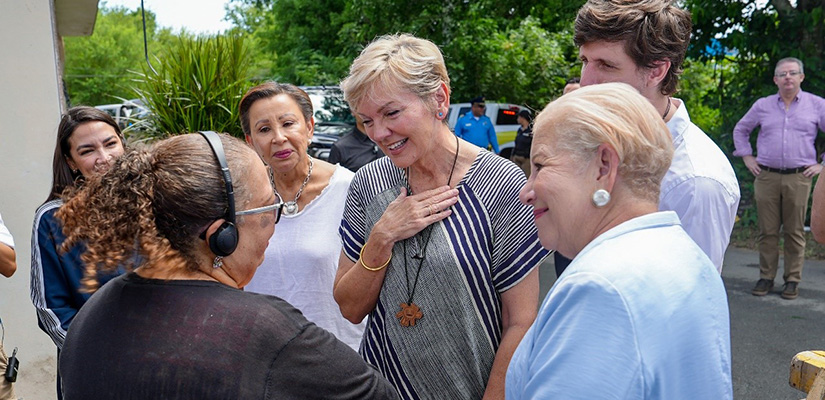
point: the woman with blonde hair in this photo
(191, 217)
(438, 252)
(640, 313)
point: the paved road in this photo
(766, 332)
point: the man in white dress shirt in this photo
(617, 43)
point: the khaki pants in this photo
(6, 388)
(523, 163)
(781, 200)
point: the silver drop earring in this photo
(217, 262)
(601, 197)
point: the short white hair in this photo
(617, 115)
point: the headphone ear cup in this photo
(225, 239)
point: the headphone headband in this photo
(217, 148)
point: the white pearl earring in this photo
(601, 197)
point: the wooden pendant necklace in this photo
(410, 312)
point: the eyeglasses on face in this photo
(480, 105)
(786, 73)
(278, 207)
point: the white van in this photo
(504, 117)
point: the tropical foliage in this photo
(506, 50)
(197, 85)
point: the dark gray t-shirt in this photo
(354, 150)
(140, 338)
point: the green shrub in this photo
(197, 86)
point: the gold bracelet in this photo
(361, 259)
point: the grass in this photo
(745, 237)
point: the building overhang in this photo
(75, 17)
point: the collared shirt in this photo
(477, 130)
(643, 300)
(700, 186)
(786, 137)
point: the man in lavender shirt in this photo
(784, 164)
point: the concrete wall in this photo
(30, 108)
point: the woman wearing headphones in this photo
(178, 326)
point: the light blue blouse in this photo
(641, 313)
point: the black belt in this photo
(783, 171)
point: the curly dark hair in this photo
(652, 31)
(150, 207)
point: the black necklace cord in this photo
(429, 234)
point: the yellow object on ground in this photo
(807, 373)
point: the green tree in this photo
(493, 48)
(698, 89)
(490, 47)
(525, 65)
(295, 40)
(98, 68)
(753, 35)
(745, 39)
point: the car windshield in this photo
(329, 106)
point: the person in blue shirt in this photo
(640, 313)
(88, 141)
(477, 128)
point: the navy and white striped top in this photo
(485, 247)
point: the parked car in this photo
(333, 118)
(126, 113)
(504, 117)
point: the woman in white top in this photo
(300, 264)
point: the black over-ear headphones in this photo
(224, 241)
